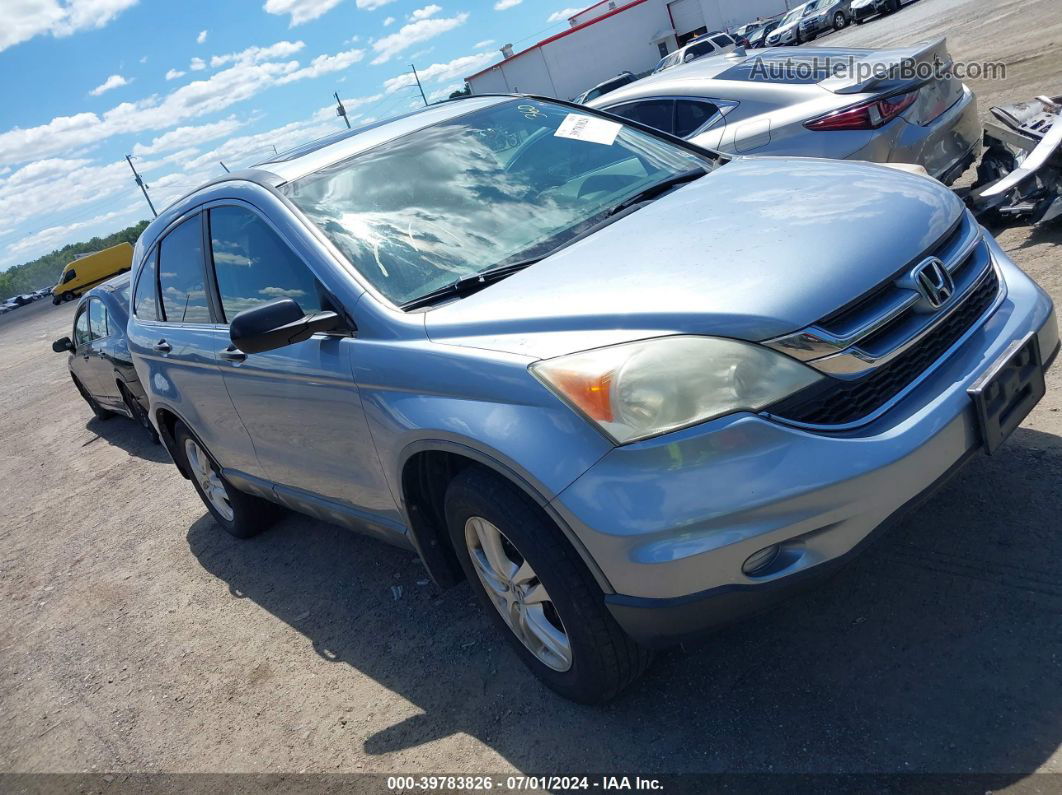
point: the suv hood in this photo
(758, 248)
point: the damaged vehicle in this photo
(815, 102)
(627, 387)
(1020, 173)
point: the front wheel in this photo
(239, 514)
(840, 21)
(68, 296)
(538, 591)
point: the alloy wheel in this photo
(208, 479)
(518, 594)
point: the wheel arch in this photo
(426, 468)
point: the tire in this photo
(601, 659)
(894, 6)
(138, 413)
(69, 296)
(245, 516)
(840, 21)
(98, 410)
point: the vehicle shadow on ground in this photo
(937, 650)
(128, 435)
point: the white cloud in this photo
(414, 33)
(445, 92)
(30, 192)
(244, 150)
(563, 15)
(188, 137)
(281, 49)
(324, 64)
(201, 37)
(425, 13)
(173, 74)
(372, 5)
(439, 72)
(197, 64)
(24, 19)
(388, 22)
(300, 11)
(55, 236)
(329, 111)
(197, 98)
(112, 82)
(502, 5)
(144, 59)
(479, 45)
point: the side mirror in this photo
(277, 324)
(62, 345)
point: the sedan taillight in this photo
(866, 116)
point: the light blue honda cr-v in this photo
(628, 388)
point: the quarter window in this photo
(98, 319)
(81, 329)
(254, 266)
(144, 305)
(691, 115)
(181, 276)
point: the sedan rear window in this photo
(491, 187)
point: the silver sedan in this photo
(884, 106)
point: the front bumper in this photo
(670, 521)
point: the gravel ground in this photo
(137, 637)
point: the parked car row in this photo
(790, 103)
(17, 301)
(627, 386)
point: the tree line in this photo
(44, 271)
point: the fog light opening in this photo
(759, 562)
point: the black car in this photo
(100, 365)
(758, 36)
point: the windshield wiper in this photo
(469, 284)
(474, 282)
(658, 189)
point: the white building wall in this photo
(567, 66)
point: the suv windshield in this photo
(495, 186)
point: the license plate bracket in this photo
(1005, 393)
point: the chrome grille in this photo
(877, 345)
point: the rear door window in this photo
(697, 50)
(656, 113)
(182, 287)
(145, 306)
(254, 266)
(691, 115)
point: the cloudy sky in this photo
(182, 85)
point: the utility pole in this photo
(340, 110)
(417, 78)
(143, 187)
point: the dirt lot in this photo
(135, 636)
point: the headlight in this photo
(641, 389)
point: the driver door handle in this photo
(163, 347)
(232, 354)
